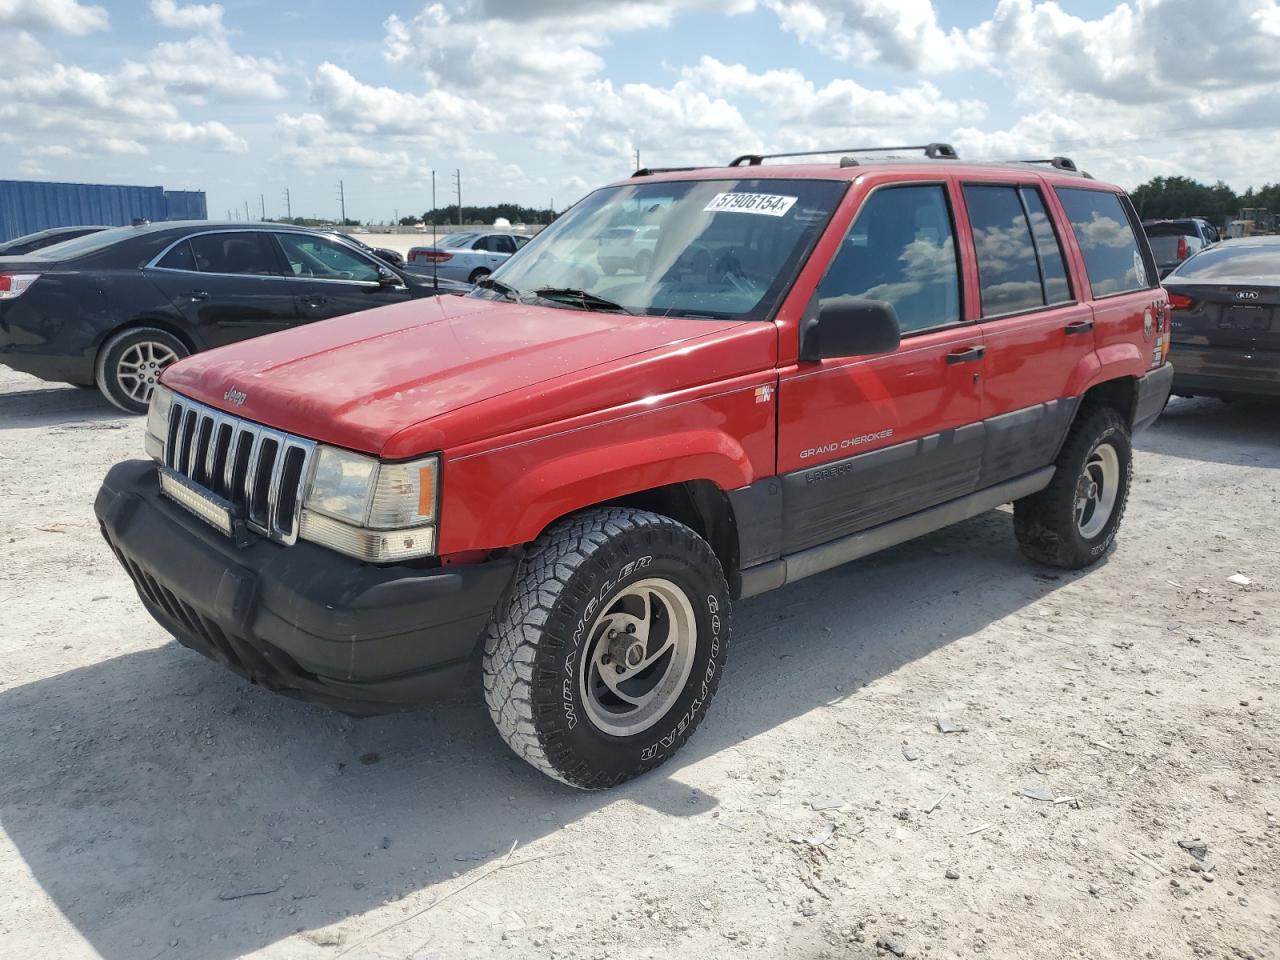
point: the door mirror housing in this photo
(388, 278)
(849, 327)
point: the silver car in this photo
(465, 256)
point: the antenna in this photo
(288, 207)
(342, 202)
(435, 271)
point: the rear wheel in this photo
(129, 365)
(612, 647)
(477, 274)
(1073, 521)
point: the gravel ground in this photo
(153, 805)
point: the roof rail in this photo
(650, 171)
(934, 151)
(1065, 164)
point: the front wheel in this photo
(1073, 521)
(129, 365)
(612, 646)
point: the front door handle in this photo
(967, 355)
(199, 295)
(315, 301)
(1079, 326)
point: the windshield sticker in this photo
(767, 204)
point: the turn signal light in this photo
(1178, 302)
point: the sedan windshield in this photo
(723, 249)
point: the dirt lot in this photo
(153, 805)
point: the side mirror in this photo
(849, 327)
(388, 278)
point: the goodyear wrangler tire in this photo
(611, 648)
(1072, 522)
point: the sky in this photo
(538, 101)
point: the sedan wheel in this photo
(130, 364)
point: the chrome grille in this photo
(261, 472)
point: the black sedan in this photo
(392, 257)
(1226, 320)
(114, 308)
(32, 242)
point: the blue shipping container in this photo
(27, 206)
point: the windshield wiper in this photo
(508, 291)
(585, 298)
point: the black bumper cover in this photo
(1153, 394)
(301, 620)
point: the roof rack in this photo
(1061, 163)
(650, 171)
(934, 151)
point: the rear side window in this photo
(1113, 257)
(1053, 266)
(179, 258)
(243, 252)
(901, 250)
(1020, 265)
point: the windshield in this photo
(722, 249)
(1233, 260)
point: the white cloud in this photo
(308, 142)
(897, 33)
(209, 67)
(211, 134)
(203, 18)
(362, 108)
(66, 16)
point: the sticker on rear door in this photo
(765, 204)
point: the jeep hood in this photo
(461, 370)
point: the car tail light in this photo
(16, 284)
(1182, 248)
(431, 256)
(1179, 302)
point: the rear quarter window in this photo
(1114, 257)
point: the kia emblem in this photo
(1246, 294)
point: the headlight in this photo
(375, 511)
(158, 422)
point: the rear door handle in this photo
(966, 355)
(199, 295)
(1079, 326)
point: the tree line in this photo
(513, 212)
(1169, 198)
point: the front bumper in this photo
(301, 620)
(1225, 370)
(1153, 394)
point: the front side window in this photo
(718, 249)
(1113, 258)
(901, 250)
(242, 252)
(322, 259)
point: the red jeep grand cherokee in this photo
(563, 481)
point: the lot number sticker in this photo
(766, 204)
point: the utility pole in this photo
(342, 202)
(457, 174)
(288, 207)
(637, 166)
(262, 199)
(246, 211)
